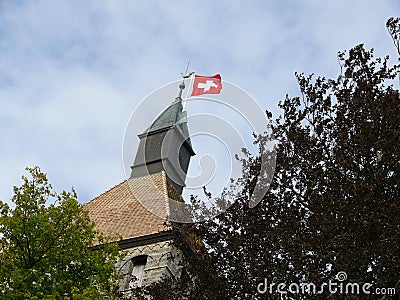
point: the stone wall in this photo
(161, 259)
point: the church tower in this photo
(137, 209)
(165, 146)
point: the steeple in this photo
(166, 146)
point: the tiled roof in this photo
(121, 211)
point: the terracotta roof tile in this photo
(124, 210)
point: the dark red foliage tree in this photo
(334, 201)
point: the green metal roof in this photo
(169, 117)
(173, 115)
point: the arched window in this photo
(133, 271)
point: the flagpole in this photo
(187, 93)
(182, 85)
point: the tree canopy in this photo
(45, 246)
(333, 206)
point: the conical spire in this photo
(169, 117)
(173, 115)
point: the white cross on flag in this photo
(206, 85)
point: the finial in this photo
(182, 85)
(181, 88)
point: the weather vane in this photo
(184, 76)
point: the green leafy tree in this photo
(334, 201)
(45, 246)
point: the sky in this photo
(73, 73)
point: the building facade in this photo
(137, 212)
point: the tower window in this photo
(133, 271)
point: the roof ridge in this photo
(166, 194)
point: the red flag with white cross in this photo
(206, 85)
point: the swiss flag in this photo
(206, 85)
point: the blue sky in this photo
(73, 72)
